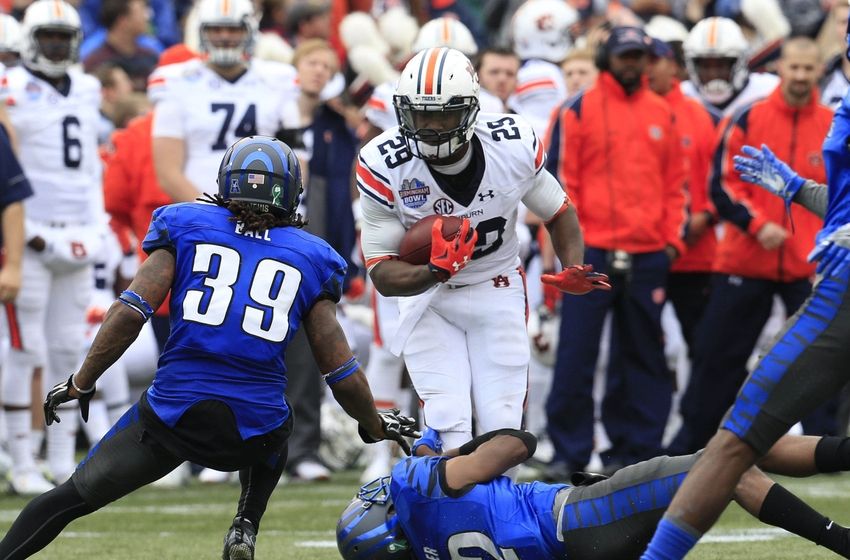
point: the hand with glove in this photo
(833, 252)
(431, 439)
(395, 427)
(65, 392)
(764, 169)
(577, 279)
(448, 257)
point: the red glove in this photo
(577, 279)
(551, 296)
(448, 257)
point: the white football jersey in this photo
(57, 135)
(401, 188)
(834, 87)
(209, 113)
(540, 88)
(380, 111)
(758, 86)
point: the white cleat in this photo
(212, 476)
(311, 471)
(29, 482)
(6, 463)
(175, 479)
(377, 467)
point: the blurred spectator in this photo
(128, 108)
(10, 41)
(166, 28)
(125, 21)
(308, 19)
(757, 257)
(497, 70)
(616, 151)
(114, 86)
(579, 71)
(689, 282)
(836, 78)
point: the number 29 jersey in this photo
(57, 137)
(236, 301)
(508, 161)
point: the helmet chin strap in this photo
(717, 92)
(431, 153)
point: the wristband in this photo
(135, 302)
(343, 371)
(77, 389)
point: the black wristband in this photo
(527, 438)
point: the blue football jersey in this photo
(499, 519)
(236, 301)
(836, 154)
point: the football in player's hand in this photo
(416, 243)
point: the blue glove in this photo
(766, 170)
(430, 439)
(833, 252)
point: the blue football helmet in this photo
(262, 172)
(368, 528)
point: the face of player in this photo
(661, 73)
(799, 69)
(498, 74)
(315, 70)
(54, 44)
(628, 67)
(579, 75)
(710, 69)
(225, 36)
(435, 122)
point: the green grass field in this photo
(190, 523)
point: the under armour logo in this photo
(483, 196)
(458, 265)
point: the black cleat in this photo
(240, 541)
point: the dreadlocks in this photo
(250, 218)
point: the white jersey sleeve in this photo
(379, 109)
(540, 88)
(546, 198)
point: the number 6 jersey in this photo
(57, 135)
(397, 190)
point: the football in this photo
(416, 243)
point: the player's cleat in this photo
(240, 541)
(177, 478)
(212, 476)
(310, 470)
(28, 482)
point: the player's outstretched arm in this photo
(347, 380)
(488, 456)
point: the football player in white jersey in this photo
(541, 35)
(716, 59)
(204, 105)
(462, 332)
(54, 111)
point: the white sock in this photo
(61, 438)
(98, 423)
(18, 425)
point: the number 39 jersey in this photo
(57, 135)
(209, 113)
(236, 300)
(508, 159)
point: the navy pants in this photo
(639, 385)
(737, 312)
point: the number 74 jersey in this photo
(397, 190)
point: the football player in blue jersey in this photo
(458, 504)
(807, 364)
(243, 276)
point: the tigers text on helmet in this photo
(446, 32)
(239, 14)
(541, 29)
(717, 38)
(262, 172)
(368, 528)
(50, 55)
(436, 103)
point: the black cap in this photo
(624, 39)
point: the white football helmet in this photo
(227, 13)
(10, 34)
(541, 29)
(717, 37)
(446, 32)
(437, 84)
(50, 15)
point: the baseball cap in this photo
(661, 49)
(626, 38)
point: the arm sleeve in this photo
(814, 197)
(729, 194)
(546, 198)
(159, 236)
(381, 234)
(675, 187)
(168, 119)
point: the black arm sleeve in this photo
(527, 438)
